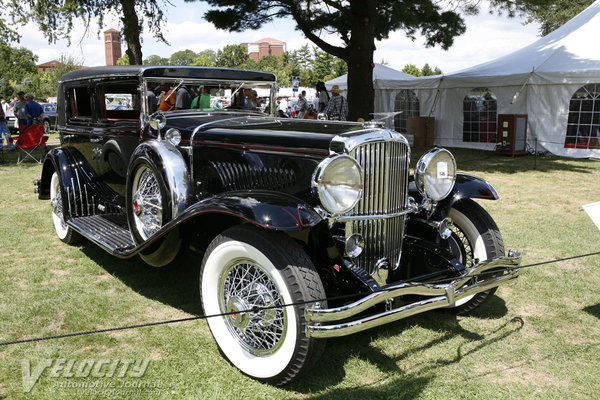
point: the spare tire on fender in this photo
(157, 192)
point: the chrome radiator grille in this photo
(386, 166)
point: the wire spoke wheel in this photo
(147, 202)
(245, 286)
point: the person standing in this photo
(302, 104)
(283, 106)
(19, 110)
(337, 107)
(183, 99)
(33, 110)
(322, 96)
(5, 131)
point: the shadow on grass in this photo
(405, 383)
(593, 310)
(178, 286)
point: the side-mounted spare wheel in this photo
(245, 268)
(154, 199)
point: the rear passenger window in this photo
(78, 104)
(119, 101)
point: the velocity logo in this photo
(71, 368)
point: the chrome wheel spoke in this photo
(147, 202)
(246, 286)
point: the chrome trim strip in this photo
(442, 295)
(344, 218)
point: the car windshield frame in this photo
(221, 90)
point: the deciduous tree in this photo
(233, 55)
(552, 15)
(359, 24)
(55, 18)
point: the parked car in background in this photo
(49, 119)
(308, 229)
(11, 121)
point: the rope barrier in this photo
(257, 309)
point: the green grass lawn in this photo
(538, 338)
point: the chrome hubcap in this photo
(245, 286)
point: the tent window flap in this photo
(583, 128)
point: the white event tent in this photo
(539, 80)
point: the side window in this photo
(78, 105)
(119, 101)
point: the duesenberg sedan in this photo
(310, 229)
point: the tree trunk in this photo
(360, 61)
(131, 32)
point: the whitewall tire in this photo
(475, 237)
(63, 231)
(245, 268)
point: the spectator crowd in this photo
(21, 112)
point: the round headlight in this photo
(435, 174)
(173, 136)
(338, 182)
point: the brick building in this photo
(47, 66)
(265, 47)
(112, 46)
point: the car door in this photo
(117, 131)
(78, 119)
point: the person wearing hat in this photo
(337, 107)
(34, 110)
(19, 110)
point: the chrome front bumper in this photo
(321, 321)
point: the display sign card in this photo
(593, 211)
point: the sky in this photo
(487, 37)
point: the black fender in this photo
(465, 187)
(265, 209)
(82, 194)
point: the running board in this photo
(109, 231)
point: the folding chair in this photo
(31, 139)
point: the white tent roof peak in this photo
(382, 76)
(568, 51)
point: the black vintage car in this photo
(310, 229)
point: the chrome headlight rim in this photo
(424, 164)
(317, 181)
(173, 136)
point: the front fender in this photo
(465, 187)
(269, 210)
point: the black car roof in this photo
(168, 72)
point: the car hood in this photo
(241, 128)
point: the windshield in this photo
(206, 95)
